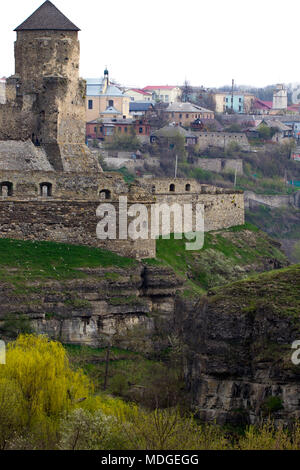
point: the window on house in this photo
(153, 188)
(6, 189)
(90, 104)
(180, 116)
(111, 103)
(240, 108)
(172, 188)
(105, 194)
(188, 187)
(240, 100)
(125, 129)
(140, 130)
(46, 189)
(186, 115)
(95, 129)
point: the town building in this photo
(137, 109)
(164, 93)
(236, 102)
(105, 129)
(280, 99)
(137, 94)
(105, 100)
(261, 107)
(168, 134)
(186, 113)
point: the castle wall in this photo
(221, 139)
(73, 222)
(223, 208)
(220, 210)
(220, 165)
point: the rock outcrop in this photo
(100, 309)
(238, 341)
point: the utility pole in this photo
(106, 367)
(235, 174)
(176, 165)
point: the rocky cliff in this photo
(102, 308)
(238, 349)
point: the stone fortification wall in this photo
(221, 139)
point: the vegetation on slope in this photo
(27, 261)
(227, 255)
(281, 223)
(60, 410)
(276, 292)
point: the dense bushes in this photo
(44, 404)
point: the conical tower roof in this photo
(47, 17)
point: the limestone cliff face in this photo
(100, 309)
(238, 342)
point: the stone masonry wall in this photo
(221, 139)
(220, 165)
(73, 222)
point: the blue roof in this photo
(94, 87)
(141, 106)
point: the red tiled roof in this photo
(294, 107)
(263, 104)
(138, 90)
(163, 87)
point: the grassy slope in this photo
(227, 255)
(22, 261)
(277, 292)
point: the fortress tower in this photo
(45, 97)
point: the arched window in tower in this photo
(188, 187)
(172, 188)
(105, 194)
(111, 103)
(46, 189)
(6, 189)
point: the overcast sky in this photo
(164, 42)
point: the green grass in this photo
(22, 261)
(216, 263)
(276, 292)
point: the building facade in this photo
(105, 100)
(165, 94)
(280, 99)
(186, 113)
(236, 102)
(137, 94)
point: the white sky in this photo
(160, 42)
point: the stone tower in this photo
(280, 99)
(47, 89)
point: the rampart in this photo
(221, 139)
